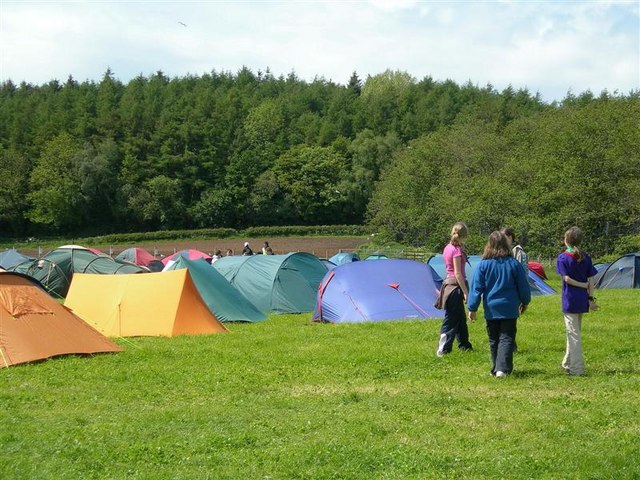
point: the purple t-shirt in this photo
(448, 254)
(575, 299)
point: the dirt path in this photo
(323, 247)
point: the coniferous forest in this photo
(407, 156)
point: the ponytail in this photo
(573, 239)
(459, 231)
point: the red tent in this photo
(136, 255)
(538, 269)
(188, 254)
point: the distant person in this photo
(502, 284)
(518, 253)
(516, 249)
(246, 251)
(266, 249)
(229, 253)
(216, 256)
(453, 294)
(577, 272)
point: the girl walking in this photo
(501, 282)
(577, 272)
(453, 294)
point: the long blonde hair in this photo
(458, 232)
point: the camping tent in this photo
(223, 299)
(623, 273)
(376, 291)
(139, 256)
(344, 257)
(437, 279)
(11, 258)
(377, 256)
(538, 268)
(56, 269)
(189, 254)
(34, 326)
(600, 266)
(328, 263)
(158, 304)
(275, 283)
(538, 286)
(437, 264)
(536, 283)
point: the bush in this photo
(627, 244)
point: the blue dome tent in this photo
(377, 291)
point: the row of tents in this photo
(196, 297)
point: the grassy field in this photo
(291, 399)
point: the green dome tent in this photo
(55, 269)
(275, 283)
(224, 300)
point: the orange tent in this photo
(34, 326)
(156, 304)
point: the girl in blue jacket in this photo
(502, 283)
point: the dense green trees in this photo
(540, 175)
(236, 150)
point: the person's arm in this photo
(457, 271)
(574, 283)
(475, 293)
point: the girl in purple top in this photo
(456, 290)
(577, 272)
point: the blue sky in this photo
(550, 47)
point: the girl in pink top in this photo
(454, 324)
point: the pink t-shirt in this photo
(448, 254)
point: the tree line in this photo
(235, 150)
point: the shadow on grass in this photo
(529, 373)
(621, 371)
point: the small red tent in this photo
(538, 269)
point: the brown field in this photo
(323, 247)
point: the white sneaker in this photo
(500, 374)
(441, 342)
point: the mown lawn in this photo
(292, 399)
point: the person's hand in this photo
(522, 308)
(472, 316)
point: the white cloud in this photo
(549, 47)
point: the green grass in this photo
(292, 399)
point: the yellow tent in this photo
(156, 304)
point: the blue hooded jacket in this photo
(502, 284)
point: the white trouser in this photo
(572, 361)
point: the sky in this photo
(549, 47)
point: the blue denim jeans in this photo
(502, 340)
